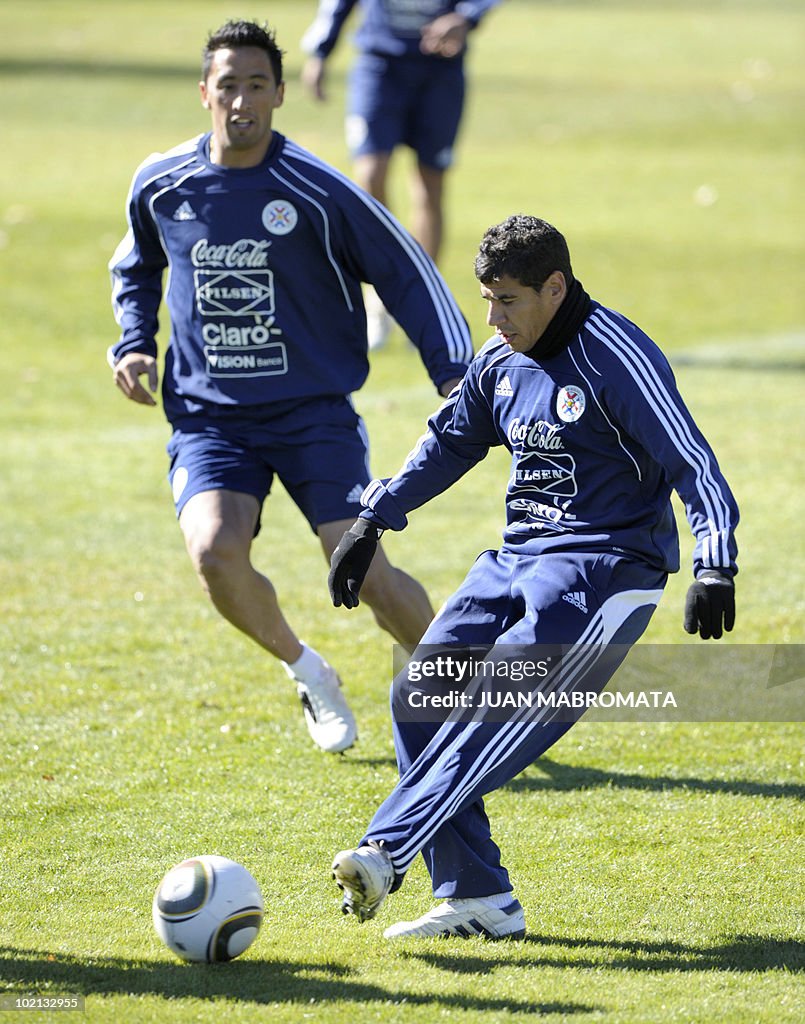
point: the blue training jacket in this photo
(390, 27)
(265, 266)
(599, 436)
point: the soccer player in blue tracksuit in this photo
(599, 436)
(406, 88)
(266, 248)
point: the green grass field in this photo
(661, 865)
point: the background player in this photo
(598, 433)
(406, 87)
(267, 248)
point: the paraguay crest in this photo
(570, 404)
(279, 217)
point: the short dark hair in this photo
(525, 248)
(234, 34)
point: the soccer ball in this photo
(208, 909)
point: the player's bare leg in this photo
(371, 173)
(427, 193)
(398, 601)
(218, 528)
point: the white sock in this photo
(307, 667)
(500, 899)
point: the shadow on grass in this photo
(565, 778)
(744, 953)
(371, 762)
(242, 981)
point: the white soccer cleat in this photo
(464, 918)
(365, 877)
(329, 720)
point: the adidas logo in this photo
(504, 387)
(578, 598)
(185, 212)
(355, 494)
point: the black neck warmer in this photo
(565, 324)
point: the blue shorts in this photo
(318, 448)
(396, 101)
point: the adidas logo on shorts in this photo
(354, 495)
(577, 598)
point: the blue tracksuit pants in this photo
(594, 605)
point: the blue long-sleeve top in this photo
(263, 285)
(599, 437)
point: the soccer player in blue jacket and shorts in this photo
(266, 249)
(406, 88)
(599, 436)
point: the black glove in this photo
(350, 562)
(710, 600)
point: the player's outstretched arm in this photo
(710, 605)
(350, 562)
(127, 372)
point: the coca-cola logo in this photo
(245, 253)
(539, 436)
